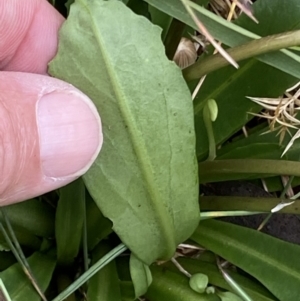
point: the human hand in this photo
(50, 132)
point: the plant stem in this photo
(241, 52)
(18, 253)
(210, 134)
(252, 204)
(201, 28)
(91, 271)
(180, 268)
(296, 196)
(85, 239)
(225, 212)
(282, 196)
(226, 170)
(233, 284)
(3, 292)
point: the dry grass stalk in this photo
(281, 114)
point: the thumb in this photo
(50, 134)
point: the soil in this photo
(282, 226)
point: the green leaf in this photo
(256, 291)
(161, 19)
(68, 4)
(127, 291)
(233, 35)
(145, 182)
(139, 7)
(6, 260)
(256, 204)
(256, 146)
(254, 48)
(25, 238)
(3, 292)
(168, 285)
(229, 88)
(17, 283)
(98, 226)
(104, 285)
(140, 275)
(32, 216)
(273, 262)
(226, 32)
(96, 267)
(4, 247)
(268, 14)
(261, 145)
(202, 2)
(226, 170)
(228, 296)
(69, 221)
(275, 183)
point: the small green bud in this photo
(213, 109)
(198, 282)
(210, 290)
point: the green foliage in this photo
(4, 292)
(68, 5)
(273, 262)
(105, 284)
(69, 221)
(140, 275)
(139, 7)
(135, 185)
(6, 260)
(229, 87)
(228, 296)
(231, 34)
(32, 221)
(33, 216)
(222, 170)
(98, 227)
(206, 264)
(245, 203)
(169, 285)
(143, 187)
(18, 284)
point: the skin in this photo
(50, 132)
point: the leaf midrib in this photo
(139, 149)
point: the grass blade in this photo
(91, 272)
